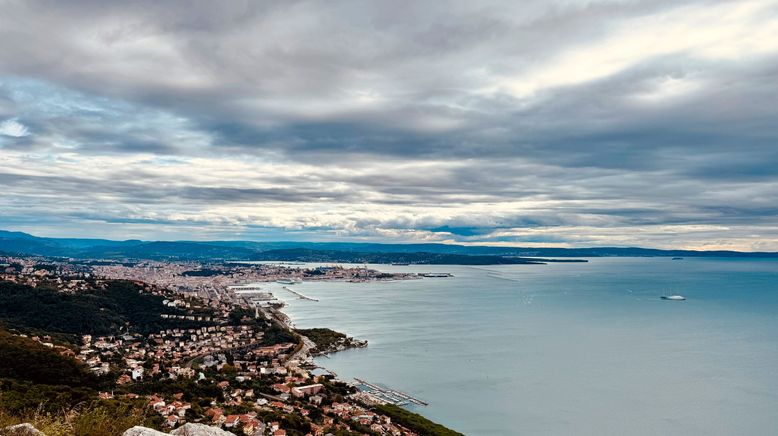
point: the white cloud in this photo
(668, 88)
(732, 31)
(12, 127)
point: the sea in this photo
(567, 348)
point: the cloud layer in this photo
(562, 123)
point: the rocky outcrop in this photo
(188, 429)
(142, 431)
(25, 429)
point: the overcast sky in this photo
(557, 123)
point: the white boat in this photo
(287, 281)
(673, 297)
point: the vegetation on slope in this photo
(35, 377)
(25, 359)
(414, 421)
(57, 394)
(97, 312)
(277, 335)
(324, 338)
(104, 418)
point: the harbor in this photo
(385, 395)
(299, 294)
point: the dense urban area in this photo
(165, 343)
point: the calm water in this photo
(569, 348)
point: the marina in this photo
(386, 395)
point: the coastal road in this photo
(304, 351)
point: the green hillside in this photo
(35, 376)
(97, 311)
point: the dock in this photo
(388, 395)
(299, 294)
(329, 371)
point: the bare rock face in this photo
(25, 429)
(190, 429)
(142, 431)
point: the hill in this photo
(33, 376)
(25, 244)
(26, 359)
(99, 311)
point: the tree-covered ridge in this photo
(329, 341)
(33, 376)
(26, 359)
(414, 421)
(102, 310)
(324, 338)
(22, 243)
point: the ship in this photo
(287, 281)
(399, 264)
(673, 297)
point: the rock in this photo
(187, 429)
(190, 429)
(142, 431)
(25, 429)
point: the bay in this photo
(567, 348)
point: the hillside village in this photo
(231, 364)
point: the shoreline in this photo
(369, 393)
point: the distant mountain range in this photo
(18, 243)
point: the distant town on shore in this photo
(19, 243)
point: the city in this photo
(243, 348)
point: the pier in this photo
(299, 294)
(389, 395)
(328, 371)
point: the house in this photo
(171, 421)
(259, 428)
(216, 415)
(317, 430)
(249, 424)
(277, 404)
(232, 421)
(156, 403)
(280, 387)
(123, 379)
(300, 391)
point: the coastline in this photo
(245, 366)
(334, 342)
(378, 398)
